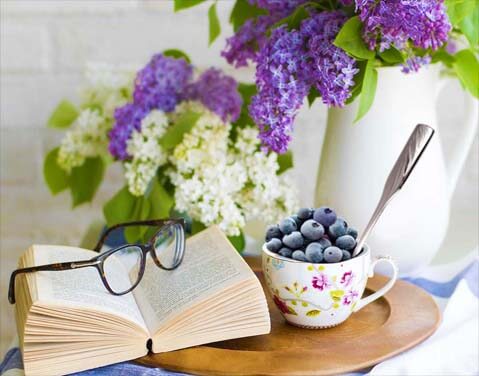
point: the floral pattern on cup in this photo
(318, 295)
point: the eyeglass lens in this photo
(129, 259)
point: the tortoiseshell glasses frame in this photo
(177, 225)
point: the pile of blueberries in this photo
(312, 235)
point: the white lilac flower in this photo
(266, 196)
(88, 137)
(146, 151)
(108, 87)
(223, 184)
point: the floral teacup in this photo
(321, 295)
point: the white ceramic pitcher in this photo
(356, 159)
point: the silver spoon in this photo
(403, 167)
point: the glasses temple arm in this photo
(49, 267)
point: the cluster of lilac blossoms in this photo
(157, 86)
(424, 23)
(245, 44)
(281, 87)
(289, 64)
(332, 70)
(161, 85)
(218, 92)
(395, 22)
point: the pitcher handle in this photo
(383, 290)
(466, 135)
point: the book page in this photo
(210, 264)
(82, 287)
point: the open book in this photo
(68, 322)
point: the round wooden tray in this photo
(405, 316)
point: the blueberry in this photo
(297, 220)
(346, 255)
(273, 231)
(285, 252)
(299, 255)
(274, 245)
(312, 230)
(305, 213)
(325, 242)
(346, 242)
(294, 240)
(332, 254)
(314, 252)
(353, 232)
(325, 216)
(287, 226)
(338, 228)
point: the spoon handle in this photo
(403, 167)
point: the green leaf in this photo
(85, 180)
(125, 207)
(285, 161)
(312, 95)
(161, 202)
(174, 134)
(63, 116)
(238, 242)
(466, 67)
(55, 177)
(470, 26)
(392, 56)
(358, 81)
(294, 20)
(246, 91)
(242, 11)
(457, 10)
(368, 90)
(196, 227)
(177, 54)
(444, 57)
(313, 313)
(141, 211)
(350, 39)
(120, 207)
(215, 27)
(183, 4)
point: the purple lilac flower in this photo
(127, 118)
(451, 46)
(281, 7)
(160, 83)
(395, 22)
(281, 86)
(157, 86)
(244, 44)
(333, 70)
(218, 92)
(288, 64)
(413, 63)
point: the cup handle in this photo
(383, 290)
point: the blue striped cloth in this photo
(452, 350)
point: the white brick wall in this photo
(44, 47)
(27, 48)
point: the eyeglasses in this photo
(167, 248)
